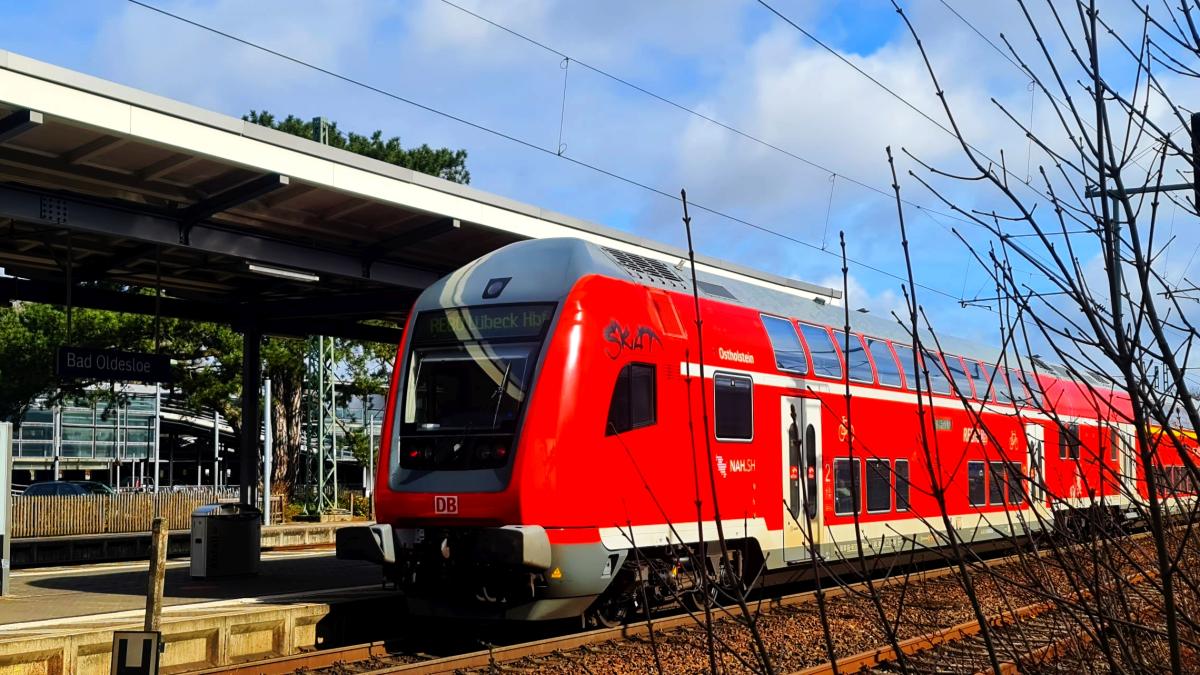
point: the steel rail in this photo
(922, 643)
(503, 654)
(483, 658)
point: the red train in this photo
(545, 447)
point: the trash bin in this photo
(226, 540)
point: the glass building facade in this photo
(83, 429)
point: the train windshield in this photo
(475, 386)
(471, 367)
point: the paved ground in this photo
(54, 593)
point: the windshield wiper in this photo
(500, 394)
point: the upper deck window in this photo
(984, 390)
(904, 354)
(938, 381)
(958, 373)
(1035, 391)
(1003, 392)
(1023, 396)
(885, 363)
(824, 355)
(789, 353)
(857, 361)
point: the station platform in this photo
(60, 620)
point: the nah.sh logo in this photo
(445, 504)
(741, 465)
(721, 466)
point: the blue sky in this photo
(729, 59)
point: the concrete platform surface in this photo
(56, 593)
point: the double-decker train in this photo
(544, 455)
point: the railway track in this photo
(361, 658)
(1032, 635)
(1037, 626)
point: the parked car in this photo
(93, 488)
(68, 487)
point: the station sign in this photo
(76, 363)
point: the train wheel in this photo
(609, 612)
(695, 600)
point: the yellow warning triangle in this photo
(557, 573)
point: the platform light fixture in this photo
(294, 275)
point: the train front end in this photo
(453, 528)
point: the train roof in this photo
(550, 268)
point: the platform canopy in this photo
(235, 221)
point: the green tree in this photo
(30, 335)
(440, 162)
(207, 357)
(365, 368)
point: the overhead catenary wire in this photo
(696, 113)
(833, 175)
(526, 143)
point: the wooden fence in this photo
(52, 516)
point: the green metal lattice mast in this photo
(322, 425)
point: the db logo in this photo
(447, 504)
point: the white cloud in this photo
(158, 53)
(730, 60)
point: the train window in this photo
(983, 388)
(1018, 386)
(824, 356)
(733, 407)
(789, 353)
(885, 363)
(633, 402)
(975, 484)
(846, 479)
(857, 361)
(904, 354)
(902, 485)
(879, 486)
(938, 382)
(468, 386)
(996, 480)
(1016, 485)
(1068, 441)
(1003, 392)
(958, 374)
(1114, 441)
(1035, 392)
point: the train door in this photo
(1128, 462)
(1035, 444)
(801, 427)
